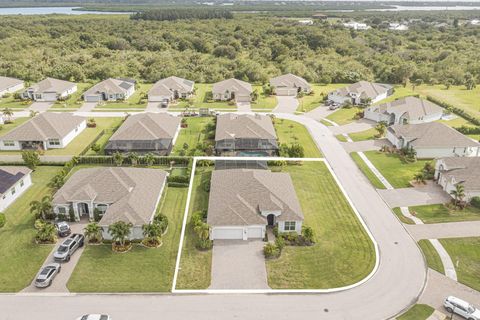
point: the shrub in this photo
(162, 221)
(308, 234)
(179, 179)
(206, 185)
(71, 214)
(270, 250)
(96, 147)
(280, 243)
(3, 219)
(97, 214)
(475, 202)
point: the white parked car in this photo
(95, 317)
(462, 308)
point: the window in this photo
(102, 207)
(62, 210)
(12, 191)
(22, 183)
(54, 142)
(289, 226)
(8, 143)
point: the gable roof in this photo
(364, 88)
(132, 193)
(290, 81)
(46, 125)
(432, 135)
(415, 108)
(237, 197)
(52, 85)
(9, 176)
(168, 85)
(244, 126)
(147, 126)
(7, 83)
(110, 86)
(232, 85)
(464, 170)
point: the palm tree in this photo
(381, 127)
(41, 208)
(152, 232)
(133, 157)
(118, 158)
(8, 113)
(202, 230)
(93, 232)
(458, 193)
(120, 231)
(419, 177)
(149, 159)
(46, 233)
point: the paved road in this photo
(286, 104)
(445, 230)
(430, 193)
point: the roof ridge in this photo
(255, 176)
(119, 179)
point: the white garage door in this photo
(49, 96)
(93, 98)
(286, 92)
(242, 99)
(255, 232)
(227, 233)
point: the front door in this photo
(271, 219)
(83, 209)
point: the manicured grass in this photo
(135, 101)
(439, 213)
(201, 99)
(5, 128)
(368, 134)
(21, 258)
(343, 253)
(465, 254)
(431, 255)
(398, 173)
(264, 102)
(417, 312)
(195, 265)
(343, 115)
(192, 135)
(11, 102)
(139, 270)
(314, 100)
(103, 140)
(398, 93)
(290, 132)
(401, 217)
(366, 171)
(75, 100)
(325, 123)
(341, 138)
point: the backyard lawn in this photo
(343, 253)
(399, 92)
(343, 115)
(134, 102)
(290, 132)
(431, 255)
(192, 135)
(139, 270)
(195, 265)
(417, 312)
(465, 254)
(5, 128)
(314, 100)
(439, 213)
(457, 96)
(366, 171)
(21, 258)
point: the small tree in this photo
(8, 114)
(31, 159)
(308, 234)
(46, 233)
(149, 159)
(381, 128)
(93, 232)
(152, 233)
(458, 193)
(133, 157)
(33, 113)
(57, 181)
(118, 158)
(41, 209)
(120, 231)
(419, 177)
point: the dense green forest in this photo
(252, 48)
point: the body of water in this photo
(428, 8)
(51, 10)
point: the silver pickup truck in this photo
(68, 247)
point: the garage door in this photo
(92, 98)
(49, 96)
(255, 232)
(227, 233)
(286, 92)
(242, 99)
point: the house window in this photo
(8, 143)
(12, 191)
(21, 183)
(289, 226)
(62, 210)
(102, 207)
(54, 142)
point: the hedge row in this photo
(126, 161)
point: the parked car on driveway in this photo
(334, 106)
(63, 229)
(45, 277)
(68, 247)
(462, 308)
(95, 317)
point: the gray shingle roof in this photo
(233, 85)
(7, 82)
(52, 85)
(237, 197)
(47, 125)
(110, 86)
(415, 107)
(131, 192)
(364, 88)
(168, 85)
(147, 126)
(289, 81)
(465, 170)
(244, 126)
(10, 175)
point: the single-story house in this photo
(45, 131)
(232, 89)
(116, 194)
(397, 26)
(245, 135)
(110, 90)
(171, 88)
(289, 85)
(356, 25)
(13, 182)
(144, 133)
(466, 171)
(408, 110)
(10, 85)
(243, 202)
(50, 90)
(361, 92)
(433, 140)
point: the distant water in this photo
(428, 8)
(51, 10)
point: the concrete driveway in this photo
(88, 106)
(286, 104)
(430, 193)
(357, 126)
(444, 230)
(244, 107)
(238, 264)
(40, 106)
(155, 107)
(319, 113)
(367, 145)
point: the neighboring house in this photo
(397, 27)
(433, 140)
(45, 131)
(13, 182)
(10, 85)
(356, 25)
(245, 135)
(50, 90)
(408, 110)
(171, 88)
(115, 194)
(289, 85)
(110, 90)
(360, 93)
(306, 22)
(475, 22)
(145, 133)
(243, 202)
(232, 89)
(465, 171)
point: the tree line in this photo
(176, 14)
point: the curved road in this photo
(396, 285)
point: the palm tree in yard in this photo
(458, 193)
(202, 230)
(381, 127)
(41, 208)
(93, 232)
(120, 231)
(133, 157)
(149, 159)
(152, 231)
(46, 233)
(8, 113)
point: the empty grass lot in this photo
(458, 96)
(193, 134)
(439, 213)
(314, 100)
(366, 171)
(139, 270)
(343, 253)
(195, 265)
(21, 258)
(417, 312)
(431, 255)
(465, 254)
(290, 132)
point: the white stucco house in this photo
(459, 170)
(10, 85)
(243, 202)
(232, 89)
(171, 88)
(395, 26)
(110, 90)
(123, 194)
(50, 90)
(360, 92)
(13, 183)
(356, 25)
(45, 131)
(289, 85)
(433, 140)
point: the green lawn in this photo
(5, 128)
(439, 213)
(366, 171)
(264, 102)
(75, 100)
(431, 255)
(192, 135)
(21, 258)
(103, 140)
(368, 134)
(201, 99)
(417, 312)
(11, 102)
(292, 132)
(343, 253)
(398, 173)
(134, 102)
(314, 100)
(341, 138)
(401, 217)
(195, 265)
(343, 115)
(399, 92)
(139, 270)
(325, 123)
(465, 254)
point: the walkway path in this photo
(286, 104)
(446, 260)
